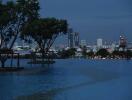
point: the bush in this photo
(103, 53)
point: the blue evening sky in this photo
(93, 19)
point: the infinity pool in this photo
(70, 79)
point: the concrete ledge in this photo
(11, 69)
(41, 62)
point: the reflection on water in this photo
(72, 79)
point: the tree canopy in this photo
(21, 19)
(13, 17)
(102, 53)
(44, 31)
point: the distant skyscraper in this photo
(83, 43)
(113, 46)
(99, 43)
(76, 39)
(73, 38)
(122, 42)
(70, 38)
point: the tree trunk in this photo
(43, 56)
(3, 60)
(2, 64)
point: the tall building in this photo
(122, 42)
(76, 39)
(70, 38)
(73, 39)
(99, 43)
(113, 46)
(83, 43)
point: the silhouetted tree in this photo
(90, 54)
(84, 51)
(13, 16)
(44, 32)
(102, 53)
(67, 53)
(128, 54)
(120, 54)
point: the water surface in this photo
(70, 79)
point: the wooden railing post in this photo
(18, 61)
(11, 59)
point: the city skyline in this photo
(92, 18)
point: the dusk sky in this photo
(93, 19)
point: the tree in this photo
(67, 53)
(102, 53)
(128, 54)
(13, 16)
(90, 54)
(44, 32)
(122, 54)
(84, 51)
